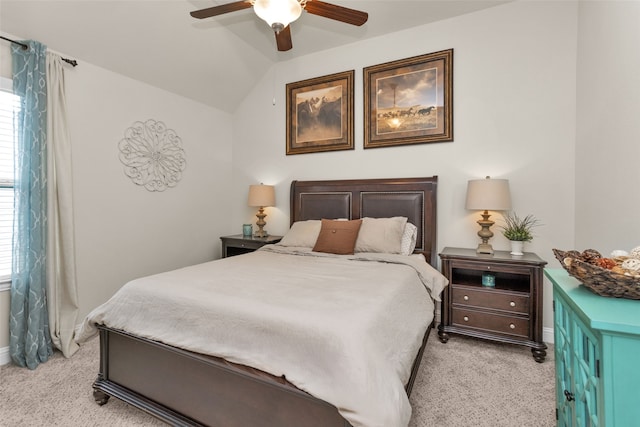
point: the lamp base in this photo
(485, 234)
(261, 233)
(484, 248)
(261, 223)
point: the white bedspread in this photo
(346, 329)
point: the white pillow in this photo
(409, 237)
(302, 234)
(382, 235)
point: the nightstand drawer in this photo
(491, 299)
(491, 322)
(247, 244)
(493, 266)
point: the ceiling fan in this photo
(280, 13)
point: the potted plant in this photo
(518, 230)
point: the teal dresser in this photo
(597, 356)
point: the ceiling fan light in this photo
(277, 13)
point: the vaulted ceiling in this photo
(215, 61)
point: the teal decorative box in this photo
(489, 280)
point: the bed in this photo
(186, 387)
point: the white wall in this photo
(514, 118)
(608, 128)
(122, 230)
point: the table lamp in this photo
(487, 195)
(261, 196)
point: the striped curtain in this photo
(30, 340)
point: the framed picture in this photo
(320, 114)
(409, 101)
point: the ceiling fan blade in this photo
(219, 10)
(283, 39)
(339, 13)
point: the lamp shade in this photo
(277, 11)
(262, 195)
(488, 194)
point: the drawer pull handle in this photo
(466, 297)
(569, 395)
(488, 267)
(512, 326)
(466, 318)
(512, 304)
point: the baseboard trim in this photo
(5, 358)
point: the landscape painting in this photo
(409, 101)
(320, 114)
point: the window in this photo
(9, 105)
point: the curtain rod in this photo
(73, 62)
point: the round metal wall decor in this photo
(152, 155)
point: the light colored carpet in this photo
(465, 382)
(469, 382)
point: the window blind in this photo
(9, 106)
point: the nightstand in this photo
(510, 311)
(239, 244)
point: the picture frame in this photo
(409, 101)
(320, 114)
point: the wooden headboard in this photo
(414, 198)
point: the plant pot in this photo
(516, 247)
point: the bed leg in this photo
(100, 397)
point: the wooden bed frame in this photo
(190, 389)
